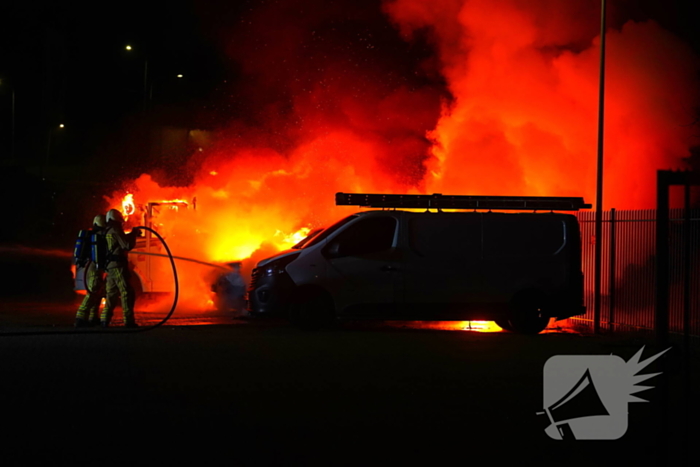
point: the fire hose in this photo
(121, 330)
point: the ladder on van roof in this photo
(440, 201)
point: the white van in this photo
(517, 269)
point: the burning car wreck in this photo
(517, 269)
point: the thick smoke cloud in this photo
(310, 68)
(452, 96)
(524, 78)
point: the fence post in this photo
(686, 271)
(611, 274)
(661, 318)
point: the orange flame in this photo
(127, 205)
(481, 326)
(521, 120)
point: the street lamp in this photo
(145, 78)
(597, 304)
(12, 125)
(48, 146)
(148, 84)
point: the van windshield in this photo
(325, 233)
(306, 239)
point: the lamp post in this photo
(146, 96)
(12, 140)
(12, 122)
(148, 84)
(599, 181)
(48, 147)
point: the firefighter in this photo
(87, 314)
(118, 274)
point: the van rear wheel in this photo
(528, 314)
(504, 324)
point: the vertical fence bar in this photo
(611, 273)
(686, 271)
(661, 309)
(629, 292)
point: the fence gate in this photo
(628, 272)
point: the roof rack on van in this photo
(440, 201)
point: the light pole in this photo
(146, 96)
(12, 124)
(48, 147)
(599, 180)
(12, 140)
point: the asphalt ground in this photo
(216, 389)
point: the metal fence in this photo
(628, 279)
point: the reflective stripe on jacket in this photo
(118, 245)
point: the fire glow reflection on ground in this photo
(473, 326)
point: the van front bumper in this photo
(269, 295)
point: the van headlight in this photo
(276, 268)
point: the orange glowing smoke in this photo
(524, 77)
(521, 120)
(227, 225)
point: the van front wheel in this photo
(313, 312)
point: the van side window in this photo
(327, 232)
(366, 236)
(523, 237)
(451, 236)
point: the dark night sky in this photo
(67, 64)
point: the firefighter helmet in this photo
(99, 221)
(115, 215)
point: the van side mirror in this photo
(334, 250)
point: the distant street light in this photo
(12, 110)
(145, 80)
(48, 147)
(148, 86)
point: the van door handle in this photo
(390, 268)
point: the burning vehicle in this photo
(210, 250)
(517, 269)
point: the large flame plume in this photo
(524, 77)
(507, 105)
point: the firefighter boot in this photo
(80, 323)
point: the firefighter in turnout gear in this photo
(118, 274)
(88, 312)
